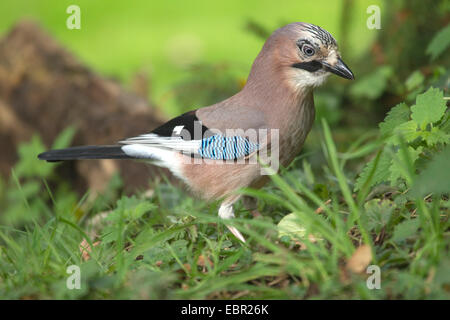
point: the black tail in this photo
(87, 152)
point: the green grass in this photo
(165, 245)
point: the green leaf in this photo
(445, 124)
(435, 178)
(414, 80)
(435, 136)
(137, 208)
(430, 107)
(381, 173)
(398, 167)
(133, 207)
(405, 229)
(29, 165)
(396, 116)
(377, 214)
(407, 130)
(291, 226)
(439, 43)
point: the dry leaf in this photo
(320, 209)
(184, 286)
(85, 249)
(360, 259)
(202, 261)
(187, 267)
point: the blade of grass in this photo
(342, 181)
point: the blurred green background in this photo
(165, 38)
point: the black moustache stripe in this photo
(310, 66)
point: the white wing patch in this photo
(177, 129)
(162, 157)
(170, 143)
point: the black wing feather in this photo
(187, 120)
(86, 152)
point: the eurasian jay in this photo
(216, 150)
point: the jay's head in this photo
(306, 54)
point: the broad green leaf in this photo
(407, 130)
(291, 226)
(405, 229)
(435, 136)
(439, 43)
(381, 173)
(397, 168)
(140, 209)
(396, 116)
(430, 107)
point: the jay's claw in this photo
(226, 212)
(236, 233)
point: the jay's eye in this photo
(308, 50)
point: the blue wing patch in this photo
(226, 148)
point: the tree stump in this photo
(44, 89)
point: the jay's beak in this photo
(340, 69)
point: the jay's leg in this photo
(226, 212)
